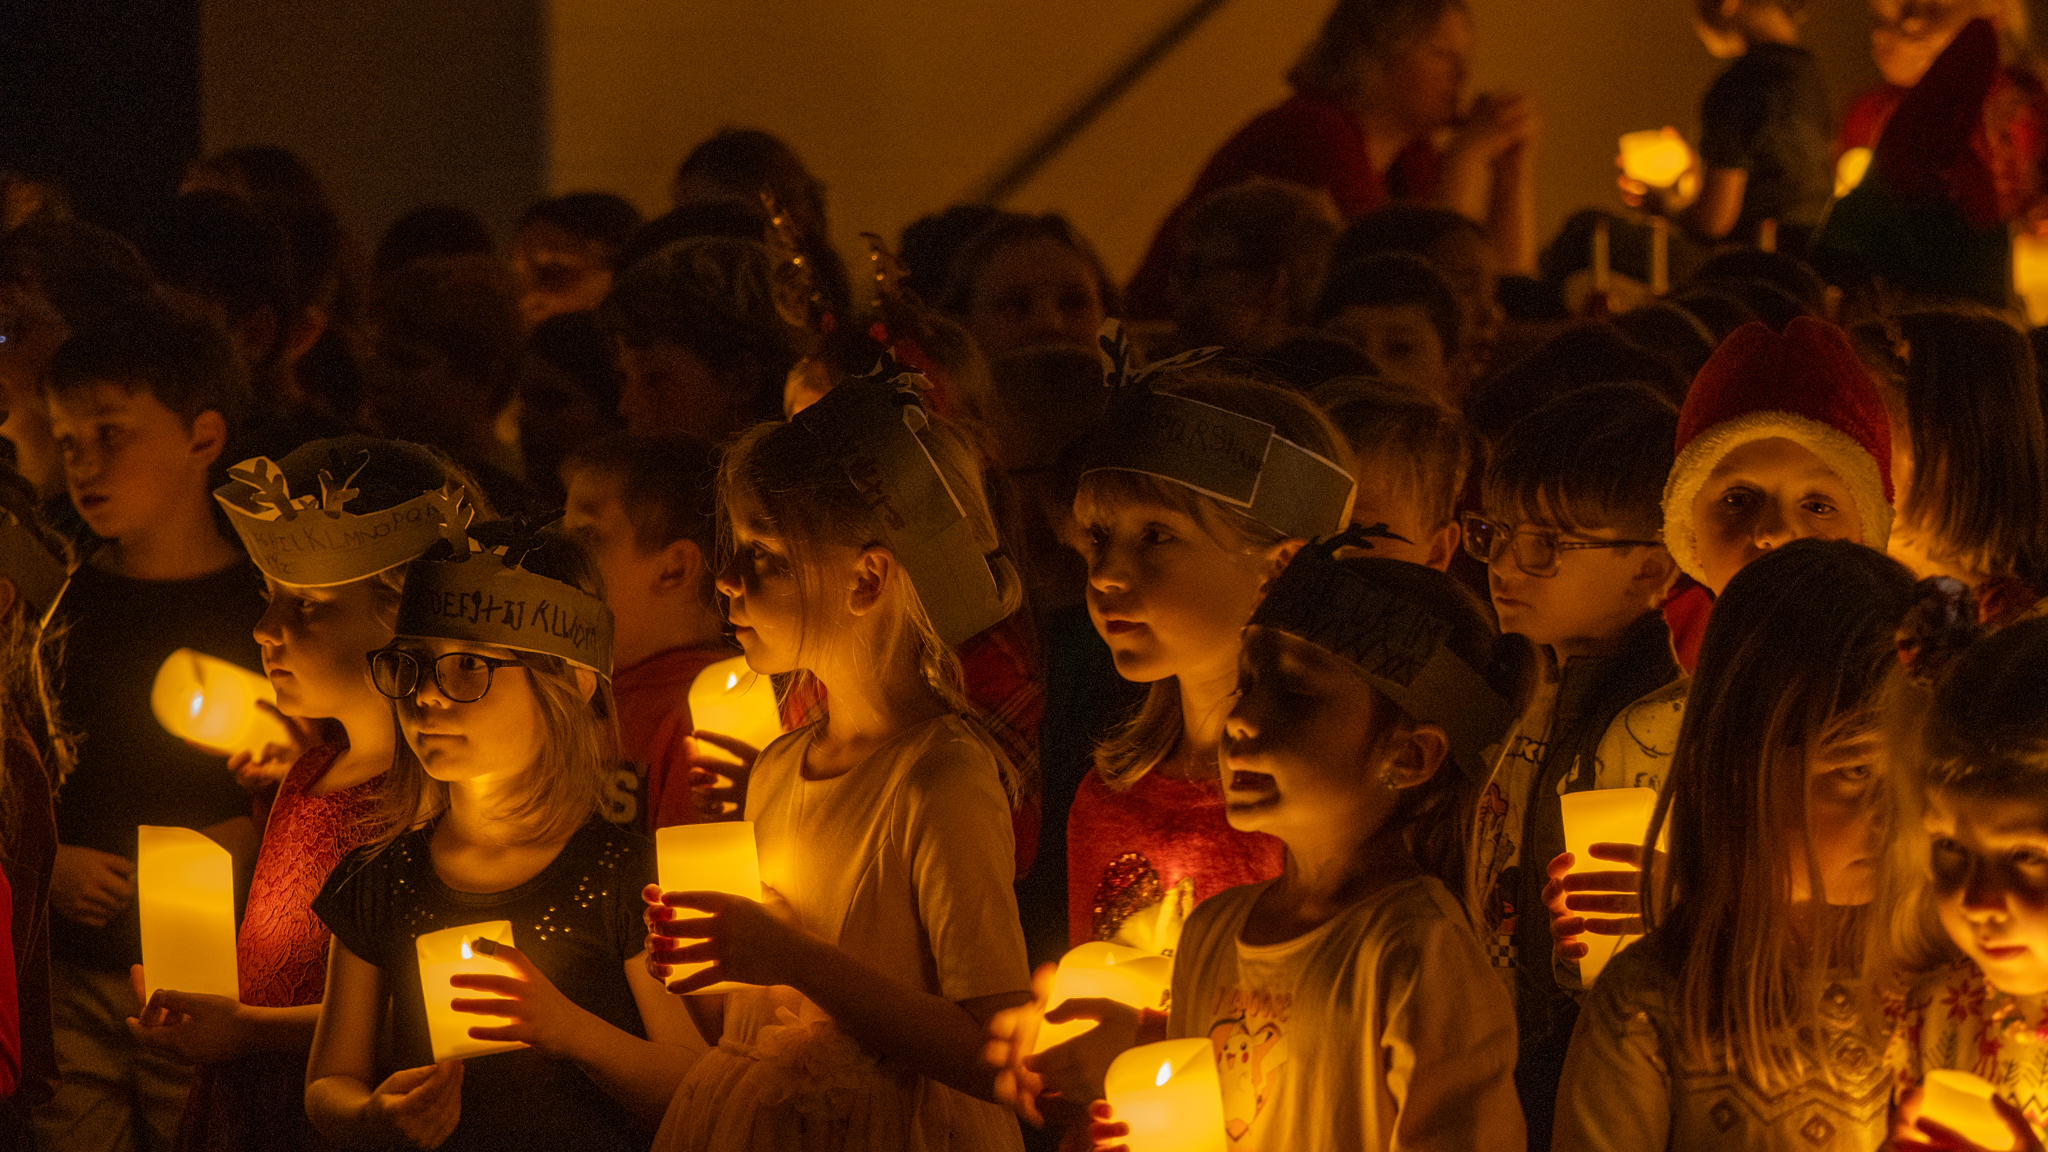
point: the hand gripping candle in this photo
(1108, 971)
(1603, 816)
(185, 895)
(1170, 1095)
(707, 858)
(468, 950)
(1962, 1103)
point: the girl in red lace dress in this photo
(328, 608)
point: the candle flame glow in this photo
(198, 702)
(732, 680)
(1165, 1074)
(466, 953)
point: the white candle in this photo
(1603, 816)
(1170, 1096)
(185, 894)
(732, 699)
(1962, 1103)
(707, 858)
(460, 951)
(212, 703)
(1110, 972)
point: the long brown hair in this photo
(1358, 33)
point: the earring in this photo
(1391, 780)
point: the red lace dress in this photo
(256, 1102)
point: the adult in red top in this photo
(1372, 94)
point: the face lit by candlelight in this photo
(765, 598)
(1990, 872)
(494, 739)
(1763, 495)
(1842, 822)
(314, 640)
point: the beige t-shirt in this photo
(1382, 1029)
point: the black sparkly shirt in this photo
(578, 921)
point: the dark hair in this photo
(431, 230)
(1263, 226)
(187, 365)
(464, 308)
(1669, 331)
(1011, 229)
(1407, 436)
(602, 217)
(729, 217)
(744, 162)
(1986, 731)
(1593, 458)
(1780, 270)
(1415, 228)
(1765, 300)
(1394, 279)
(1588, 353)
(668, 487)
(223, 251)
(1310, 359)
(930, 243)
(576, 345)
(1714, 306)
(1357, 32)
(716, 298)
(264, 174)
(89, 275)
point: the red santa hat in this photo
(1805, 385)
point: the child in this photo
(1252, 265)
(331, 527)
(1570, 544)
(1413, 452)
(1347, 1000)
(140, 411)
(863, 551)
(643, 507)
(1403, 315)
(1975, 733)
(566, 251)
(1744, 1019)
(1030, 282)
(492, 812)
(1181, 544)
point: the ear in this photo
(302, 335)
(1655, 575)
(209, 437)
(1415, 758)
(1443, 545)
(586, 680)
(681, 569)
(871, 576)
(1278, 557)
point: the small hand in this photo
(256, 771)
(418, 1105)
(1916, 1133)
(1105, 1132)
(718, 787)
(191, 1027)
(541, 1016)
(744, 941)
(1012, 1034)
(1496, 122)
(1074, 1070)
(90, 886)
(1617, 895)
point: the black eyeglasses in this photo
(463, 677)
(1535, 549)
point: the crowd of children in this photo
(1265, 620)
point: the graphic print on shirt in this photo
(1500, 823)
(1249, 1033)
(621, 803)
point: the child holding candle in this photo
(863, 552)
(492, 812)
(331, 527)
(1746, 1018)
(1347, 1002)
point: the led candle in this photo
(465, 951)
(185, 894)
(1850, 170)
(212, 703)
(1962, 1103)
(2030, 275)
(1603, 816)
(732, 699)
(1170, 1095)
(707, 858)
(1108, 971)
(1656, 157)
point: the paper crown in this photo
(484, 595)
(38, 575)
(1396, 645)
(310, 538)
(1238, 460)
(874, 426)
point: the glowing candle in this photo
(1656, 157)
(1170, 1095)
(1108, 971)
(732, 699)
(2030, 275)
(212, 703)
(1850, 170)
(1962, 1102)
(707, 858)
(185, 894)
(1603, 816)
(468, 950)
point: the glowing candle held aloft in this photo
(1108, 971)
(185, 894)
(1603, 816)
(1170, 1095)
(468, 950)
(732, 699)
(212, 703)
(707, 858)
(1656, 156)
(1962, 1102)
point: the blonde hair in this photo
(1143, 742)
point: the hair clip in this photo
(1938, 627)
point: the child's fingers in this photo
(1080, 1008)
(1617, 852)
(1604, 903)
(696, 981)
(486, 1006)
(1614, 926)
(652, 895)
(740, 748)
(1630, 882)
(488, 982)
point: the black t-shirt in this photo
(114, 632)
(578, 921)
(1768, 115)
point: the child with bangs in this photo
(1570, 542)
(1413, 452)
(1747, 1017)
(863, 552)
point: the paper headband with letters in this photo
(1396, 645)
(874, 428)
(310, 537)
(484, 595)
(1242, 462)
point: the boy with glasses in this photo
(1573, 503)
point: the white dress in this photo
(904, 862)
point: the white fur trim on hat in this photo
(1841, 452)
